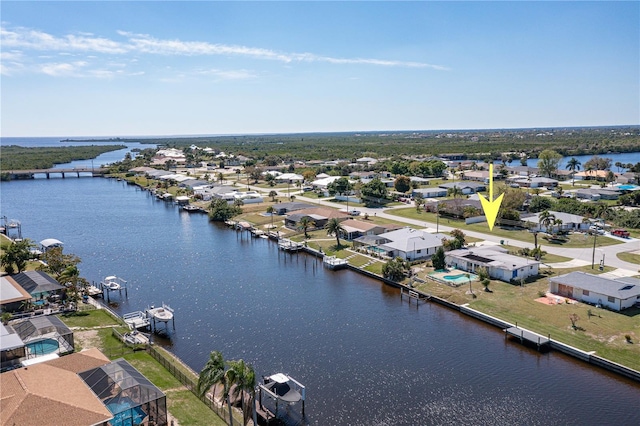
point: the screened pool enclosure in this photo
(131, 398)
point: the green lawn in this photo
(603, 333)
(575, 240)
(630, 257)
(92, 318)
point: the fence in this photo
(189, 379)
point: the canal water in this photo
(366, 357)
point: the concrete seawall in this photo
(587, 357)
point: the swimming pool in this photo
(454, 276)
(124, 414)
(627, 187)
(43, 347)
(460, 278)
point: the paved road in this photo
(581, 254)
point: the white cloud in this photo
(25, 38)
(229, 74)
(62, 69)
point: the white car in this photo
(354, 212)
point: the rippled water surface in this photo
(365, 357)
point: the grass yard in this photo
(598, 330)
(630, 257)
(575, 240)
(91, 318)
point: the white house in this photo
(411, 244)
(289, 178)
(616, 294)
(495, 260)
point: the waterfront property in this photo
(32, 338)
(616, 294)
(411, 244)
(498, 263)
(319, 215)
(12, 295)
(39, 285)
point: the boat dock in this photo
(334, 263)
(527, 336)
(113, 283)
(136, 320)
(289, 245)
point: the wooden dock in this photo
(527, 336)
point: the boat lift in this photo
(113, 283)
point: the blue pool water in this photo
(43, 347)
(627, 187)
(123, 415)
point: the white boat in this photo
(113, 283)
(281, 387)
(163, 313)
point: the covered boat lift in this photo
(281, 387)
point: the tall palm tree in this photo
(213, 374)
(334, 227)
(573, 165)
(603, 211)
(305, 223)
(271, 211)
(243, 377)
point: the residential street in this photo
(581, 256)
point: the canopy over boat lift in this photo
(113, 283)
(281, 387)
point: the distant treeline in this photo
(475, 144)
(13, 157)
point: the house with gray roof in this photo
(467, 187)
(411, 244)
(616, 294)
(570, 222)
(499, 264)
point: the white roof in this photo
(38, 360)
(279, 378)
(9, 340)
(51, 242)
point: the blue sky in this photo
(177, 68)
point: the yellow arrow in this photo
(491, 206)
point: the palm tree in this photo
(573, 165)
(305, 223)
(546, 219)
(273, 194)
(271, 210)
(334, 227)
(244, 378)
(212, 374)
(603, 211)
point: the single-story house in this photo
(12, 295)
(94, 391)
(616, 294)
(323, 183)
(284, 208)
(411, 244)
(523, 170)
(357, 228)
(289, 178)
(592, 174)
(570, 222)
(430, 192)
(320, 215)
(498, 263)
(363, 175)
(480, 175)
(466, 187)
(38, 284)
(595, 194)
(206, 193)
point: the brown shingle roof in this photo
(44, 395)
(81, 361)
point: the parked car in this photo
(593, 229)
(620, 233)
(354, 212)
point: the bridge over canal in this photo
(77, 171)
